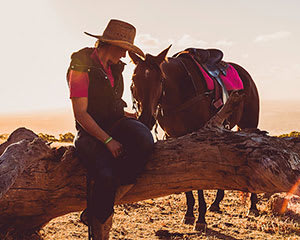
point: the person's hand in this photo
(115, 148)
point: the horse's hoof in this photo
(188, 220)
(214, 208)
(200, 227)
(254, 212)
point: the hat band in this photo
(119, 37)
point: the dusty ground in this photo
(161, 219)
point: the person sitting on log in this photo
(111, 143)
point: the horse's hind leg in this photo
(249, 119)
(253, 208)
(189, 217)
(215, 205)
(201, 223)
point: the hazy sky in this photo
(38, 37)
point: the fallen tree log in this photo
(38, 183)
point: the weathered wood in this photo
(53, 185)
(20, 155)
(16, 136)
(38, 183)
(231, 106)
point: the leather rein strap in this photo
(198, 97)
(183, 106)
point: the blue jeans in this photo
(108, 172)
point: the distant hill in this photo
(277, 117)
(53, 121)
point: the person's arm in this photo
(81, 115)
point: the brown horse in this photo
(163, 91)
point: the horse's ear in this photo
(162, 56)
(135, 58)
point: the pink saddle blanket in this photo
(232, 79)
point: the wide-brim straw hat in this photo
(121, 34)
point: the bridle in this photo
(135, 102)
(162, 80)
(164, 111)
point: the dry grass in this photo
(161, 219)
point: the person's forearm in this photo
(89, 125)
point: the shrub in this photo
(67, 137)
(4, 136)
(291, 134)
(48, 137)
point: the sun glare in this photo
(289, 196)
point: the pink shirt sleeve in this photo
(78, 84)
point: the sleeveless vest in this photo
(105, 104)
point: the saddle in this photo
(211, 61)
(210, 57)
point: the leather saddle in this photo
(204, 56)
(211, 61)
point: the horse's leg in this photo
(250, 115)
(201, 223)
(253, 208)
(189, 217)
(215, 205)
(253, 198)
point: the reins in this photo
(183, 106)
(186, 104)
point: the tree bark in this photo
(38, 183)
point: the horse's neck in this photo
(178, 86)
(171, 88)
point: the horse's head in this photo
(147, 85)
